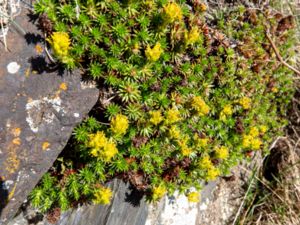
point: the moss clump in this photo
(185, 96)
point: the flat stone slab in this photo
(126, 208)
(39, 108)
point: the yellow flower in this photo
(154, 53)
(174, 132)
(212, 173)
(200, 106)
(200, 142)
(119, 124)
(95, 152)
(109, 151)
(203, 142)
(186, 151)
(158, 192)
(205, 162)
(182, 142)
(256, 143)
(193, 196)
(227, 111)
(97, 140)
(156, 117)
(102, 147)
(192, 36)
(172, 12)
(251, 141)
(245, 102)
(247, 139)
(172, 116)
(102, 196)
(60, 43)
(254, 132)
(221, 152)
(263, 129)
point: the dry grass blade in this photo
(279, 56)
(244, 199)
(275, 200)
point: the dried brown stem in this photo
(279, 56)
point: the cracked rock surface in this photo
(40, 106)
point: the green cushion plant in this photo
(186, 97)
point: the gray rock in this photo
(127, 208)
(40, 107)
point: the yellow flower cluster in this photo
(200, 142)
(174, 132)
(192, 36)
(227, 111)
(60, 43)
(200, 106)
(185, 149)
(205, 163)
(172, 12)
(156, 117)
(102, 147)
(158, 192)
(172, 116)
(153, 54)
(211, 171)
(254, 132)
(256, 143)
(119, 124)
(222, 152)
(193, 196)
(252, 140)
(263, 129)
(102, 196)
(245, 102)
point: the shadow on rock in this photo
(33, 38)
(40, 65)
(3, 195)
(134, 196)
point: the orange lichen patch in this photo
(45, 145)
(16, 141)
(12, 162)
(63, 86)
(16, 132)
(39, 49)
(11, 194)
